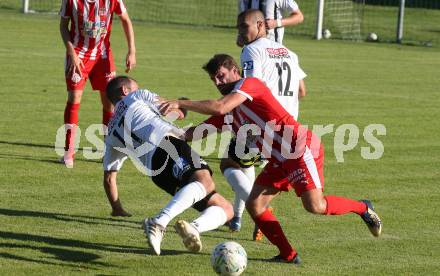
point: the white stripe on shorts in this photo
(311, 167)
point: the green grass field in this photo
(421, 25)
(56, 221)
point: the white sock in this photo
(182, 200)
(239, 204)
(242, 186)
(210, 219)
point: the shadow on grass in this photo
(47, 146)
(34, 145)
(59, 254)
(55, 160)
(27, 157)
(69, 255)
(25, 259)
(118, 222)
(72, 243)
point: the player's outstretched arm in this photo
(111, 190)
(130, 61)
(209, 107)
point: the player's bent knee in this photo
(315, 207)
(204, 177)
(218, 200)
(229, 211)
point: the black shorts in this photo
(178, 162)
(242, 162)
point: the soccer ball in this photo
(326, 34)
(372, 37)
(229, 258)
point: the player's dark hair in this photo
(219, 60)
(114, 88)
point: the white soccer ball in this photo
(229, 258)
(372, 37)
(326, 34)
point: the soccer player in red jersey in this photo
(88, 55)
(295, 154)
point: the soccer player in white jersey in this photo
(273, 11)
(279, 68)
(270, 61)
(137, 130)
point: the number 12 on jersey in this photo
(283, 70)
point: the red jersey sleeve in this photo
(66, 9)
(119, 7)
(216, 121)
(250, 88)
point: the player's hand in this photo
(271, 24)
(167, 106)
(75, 66)
(130, 62)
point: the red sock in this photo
(71, 118)
(106, 116)
(340, 205)
(271, 228)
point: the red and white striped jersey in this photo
(91, 23)
(263, 123)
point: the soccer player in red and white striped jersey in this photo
(295, 154)
(85, 28)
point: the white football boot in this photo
(190, 236)
(154, 233)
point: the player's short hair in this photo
(114, 88)
(253, 14)
(219, 60)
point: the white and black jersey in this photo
(135, 131)
(278, 67)
(272, 9)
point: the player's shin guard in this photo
(210, 219)
(271, 228)
(70, 119)
(241, 185)
(340, 205)
(250, 173)
(239, 201)
(182, 200)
